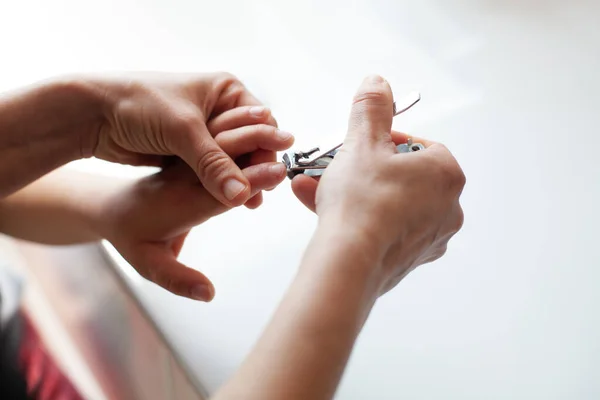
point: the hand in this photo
(153, 116)
(401, 209)
(148, 221)
(250, 139)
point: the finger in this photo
(265, 175)
(305, 189)
(157, 264)
(260, 176)
(231, 93)
(372, 113)
(400, 138)
(263, 156)
(198, 205)
(216, 170)
(240, 116)
(255, 201)
(259, 157)
(249, 138)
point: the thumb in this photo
(218, 173)
(372, 113)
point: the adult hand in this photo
(152, 116)
(401, 209)
(148, 221)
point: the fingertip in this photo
(373, 79)
(376, 84)
(285, 137)
(305, 189)
(255, 201)
(374, 90)
(372, 112)
(202, 292)
(264, 176)
(278, 170)
(272, 121)
(259, 112)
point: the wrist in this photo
(351, 238)
(83, 102)
(349, 255)
(42, 128)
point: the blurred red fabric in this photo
(45, 380)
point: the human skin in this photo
(136, 119)
(376, 224)
(144, 120)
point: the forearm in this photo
(303, 352)
(63, 207)
(43, 127)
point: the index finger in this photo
(232, 94)
(246, 98)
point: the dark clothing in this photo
(12, 382)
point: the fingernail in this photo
(283, 135)
(277, 169)
(233, 188)
(374, 79)
(201, 292)
(258, 111)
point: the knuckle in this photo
(229, 83)
(227, 77)
(371, 97)
(188, 121)
(441, 251)
(459, 177)
(212, 162)
(436, 253)
(452, 174)
(460, 220)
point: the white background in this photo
(513, 89)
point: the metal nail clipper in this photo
(300, 162)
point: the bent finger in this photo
(249, 138)
(216, 170)
(255, 201)
(240, 116)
